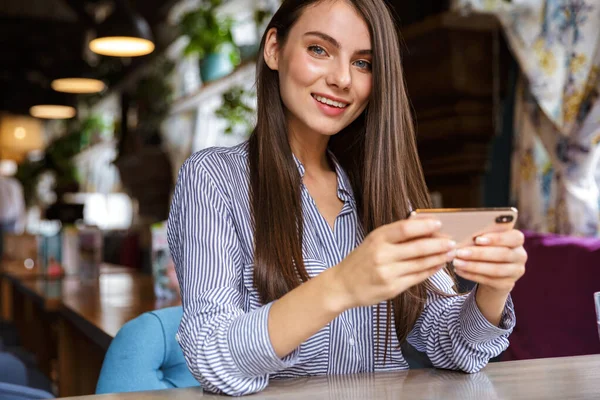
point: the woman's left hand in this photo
(496, 261)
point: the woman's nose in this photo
(340, 76)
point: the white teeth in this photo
(330, 102)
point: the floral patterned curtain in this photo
(556, 158)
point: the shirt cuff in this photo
(251, 347)
(477, 329)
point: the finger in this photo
(407, 281)
(417, 248)
(511, 239)
(501, 284)
(419, 264)
(491, 254)
(403, 230)
(490, 270)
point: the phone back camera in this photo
(503, 219)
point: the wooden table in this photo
(74, 322)
(90, 317)
(27, 314)
(10, 271)
(556, 378)
(34, 299)
(31, 301)
(36, 303)
(14, 276)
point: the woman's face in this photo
(324, 68)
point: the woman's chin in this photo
(327, 129)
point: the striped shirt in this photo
(224, 333)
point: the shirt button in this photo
(351, 341)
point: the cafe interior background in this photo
(506, 99)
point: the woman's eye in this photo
(317, 50)
(363, 64)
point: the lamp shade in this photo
(78, 85)
(52, 111)
(123, 34)
(19, 135)
(49, 104)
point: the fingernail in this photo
(450, 255)
(459, 263)
(482, 240)
(451, 244)
(436, 223)
(463, 253)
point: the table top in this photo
(48, 291)
(99, 308)
(102, 308)
(552, 378)
(17, 270)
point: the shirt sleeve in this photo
(453, 332)
(227, 349)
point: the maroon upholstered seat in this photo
(553, 301)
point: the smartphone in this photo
(463, 225)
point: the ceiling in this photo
(41, 40)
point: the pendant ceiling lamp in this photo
(123, 34)
(79, 78)
(52, 111)
(53, 105)
(78, 85)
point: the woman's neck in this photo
(312, 152)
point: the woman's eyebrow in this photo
(334, 42)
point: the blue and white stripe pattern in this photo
(223, 332)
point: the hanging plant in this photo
(211, 39)
(152, 97)
(236, 111)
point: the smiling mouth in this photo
(329, 102)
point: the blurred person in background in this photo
(12, 206)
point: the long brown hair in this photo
(378, 152)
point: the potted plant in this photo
(59, 160)
(210, 37)
(259, 20)
(237, 112)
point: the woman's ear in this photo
(271, 50)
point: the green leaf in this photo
(205, 31)
(236, 111)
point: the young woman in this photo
(292, 250)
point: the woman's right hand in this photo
(391, 259)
